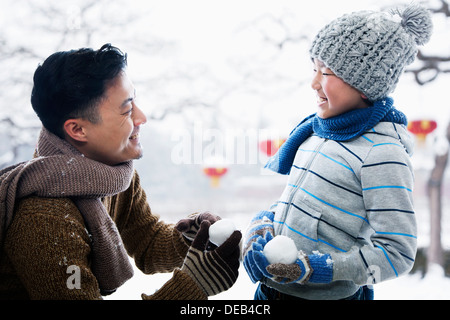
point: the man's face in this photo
(115, 138)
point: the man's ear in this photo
(75, 129)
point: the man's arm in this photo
(155, 245)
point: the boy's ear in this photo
(75, 129)
(364, 96)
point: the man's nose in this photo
(139, 117)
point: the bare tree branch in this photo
(429, 63)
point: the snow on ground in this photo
(434, 286)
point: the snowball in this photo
(220, 231)
(281, 249)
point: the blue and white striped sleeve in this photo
(387, 181)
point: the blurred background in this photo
(222, 84)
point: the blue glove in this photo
(261, 224)
(313, 268)
(253, 255)
(260, 260)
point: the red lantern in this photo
(270, 147)
(215, 173)
(421, 128)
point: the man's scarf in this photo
(60, 171)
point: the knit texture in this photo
(322, 268)
(47, 235)
(344, 127)
(60, 171)
(369, 50)
(216, 270)
(173, 291)
(314, 268)
(190, 225)
(260, 225)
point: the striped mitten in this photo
(217, 270)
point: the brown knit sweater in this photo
(48, 235)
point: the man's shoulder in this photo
(58, 207)
(44, 221)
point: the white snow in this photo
(220, 231)
(281, 249)
(434, 286)
(240, 37)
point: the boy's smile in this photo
(321, 100)
(334, 96)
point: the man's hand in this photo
(216, 270)
(190, 226)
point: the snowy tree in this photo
(36, 29)
(435, 252)
(427, 70)
(33, 30)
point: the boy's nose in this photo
(315, 84)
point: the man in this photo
(71, 216)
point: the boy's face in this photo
(115, 138)
(334, 96)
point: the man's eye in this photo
(128, 112)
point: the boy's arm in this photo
(387, 183)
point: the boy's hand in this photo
(255, 255)
(261, 224)
(314, 268)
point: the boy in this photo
(348, 201)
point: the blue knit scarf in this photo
(344, 127)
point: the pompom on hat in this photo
(369, 50)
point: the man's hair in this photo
(70, 85)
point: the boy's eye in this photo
(324, 73)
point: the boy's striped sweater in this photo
(353, 200)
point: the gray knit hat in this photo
(369, 50)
